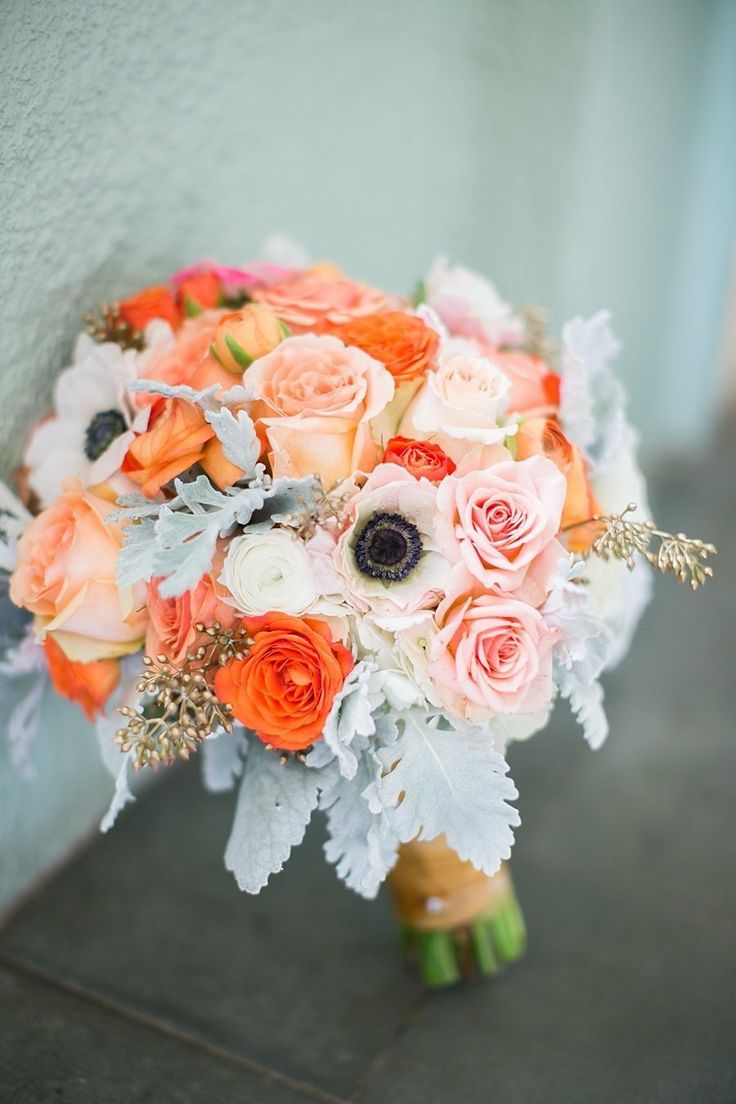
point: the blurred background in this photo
(582, 153)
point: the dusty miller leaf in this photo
(222, 760)
(449, 781)
(237, 435)
(137, 556)
(274, 807)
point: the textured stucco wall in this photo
(554, 145)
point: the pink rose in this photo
(501, 523)
(316, 301)
(315, 398)
(66, 576)
(492, 654)
(171, 630)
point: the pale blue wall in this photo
(578, 150)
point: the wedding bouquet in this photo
(346, 546)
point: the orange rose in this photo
(423, 459)
(171, 630)
(65, 575)
(245, 335)
(198, 293)
(88, 684)
(153, 302)
(283, 689)
(318, 301)
(189, 361)
(403, 343)
(543, 437)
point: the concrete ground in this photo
(141, 974)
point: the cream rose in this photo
(269, 571)
(459, 401)
(315, 398)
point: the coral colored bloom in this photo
(310, 301)
(89, 685)
(543, 437)
(283, 689)
(154, 302)
(402, 342)
(171, 630)
(534, 389)
(492, 654)
(66, 576)
(501, 523)
(198, 293)
(316, 398)
(174, 441)
(423, 459)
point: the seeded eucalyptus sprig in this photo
(676, 554)
(111, 327)
(178, 709)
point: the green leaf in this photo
(191, 309)
(238, 352)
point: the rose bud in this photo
(245, 335)
(198, 293)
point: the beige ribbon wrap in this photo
(434, 890)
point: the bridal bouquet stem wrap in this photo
(345, 546)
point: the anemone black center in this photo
(388, 547)
(102, 431)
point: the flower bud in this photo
(245, 335)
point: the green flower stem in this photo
(445, 957)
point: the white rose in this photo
(269, 571)
(460, 399)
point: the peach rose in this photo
(171, 630)
(501, 523)
(318, 301)
(178, 436)
(534, 389)
(88, 685)
(187, 360)
(543, 437)
(492, 654)
(65, 575)
(283, 689)
(315, 399)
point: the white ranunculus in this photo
(269, 571)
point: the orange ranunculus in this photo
(154, 302)
(178, 436)
(423, 459)
(543, 437)
(402, 342)
(66, 577)
(175, 439)
(244, 335)
(316, 301)
(89, 685)
(198, 293)
(283, 689)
